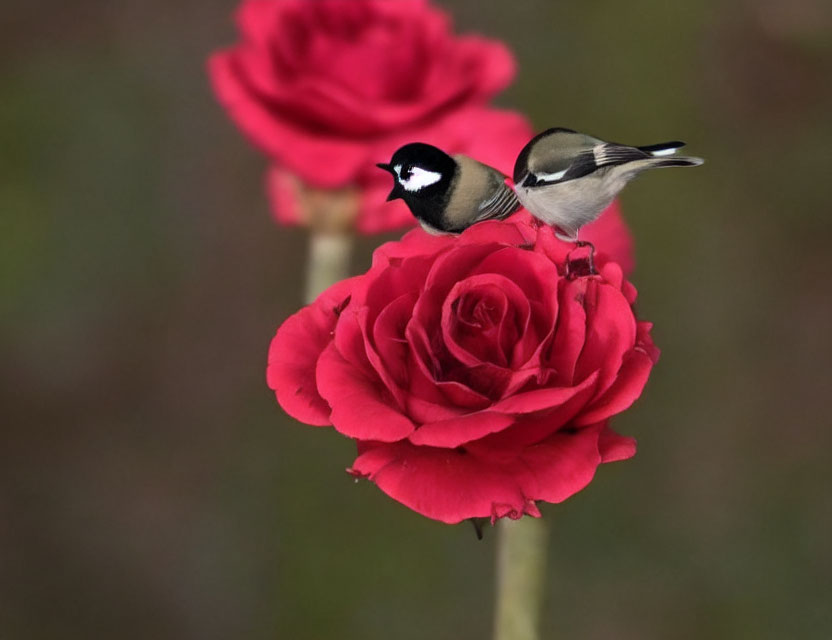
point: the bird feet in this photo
(580, 261)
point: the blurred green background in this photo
(150, 487)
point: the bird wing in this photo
(611, 153)
(501, 204)
(479, 193)
(589, 158)
(559, 152)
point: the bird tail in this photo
(680, 161)
(662, 155)
(663, 148)
(630, 170)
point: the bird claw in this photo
(581, 265)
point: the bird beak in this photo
(396, 193)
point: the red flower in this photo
(328, 88)
(475, 377)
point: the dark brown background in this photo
(151, 488)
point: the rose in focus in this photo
(475, 377)
(329, 88)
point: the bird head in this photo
(419, 170)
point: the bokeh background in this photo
(151, 488)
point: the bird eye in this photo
(407, 172)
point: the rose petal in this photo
(346, 389)
(414, 243)
(499, 232)
(282, 188)
(548, 244)
(256, 18)
(570, 332)
(448, 269)
(385, 341)
(627, 387)
(613, 275)
(487, 380)
(293, 147)
(454, 432)
(294, 353)
(561, 466)
(453, 485)
(489, 337)
(393, 280)
(532, 273)
(535, 427)
(610, 332)
(644, 340)
(443, 484)
(540, 399)
(424, 383)
(614, 447)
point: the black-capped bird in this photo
(566, 179)
(448, 194)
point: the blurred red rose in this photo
(475, 377)
(329, 88)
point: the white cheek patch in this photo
(419, 179)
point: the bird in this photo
(566, 179)
(447, 194)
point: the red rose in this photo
(329, 88)
(475, 377)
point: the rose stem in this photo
(327, 263)
(521, 566)
(331, 215)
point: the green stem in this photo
(521, 567)
(328, 261)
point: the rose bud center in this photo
(483, 324)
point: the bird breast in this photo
(570, 204)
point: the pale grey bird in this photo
(566, 179)
(448, 194)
